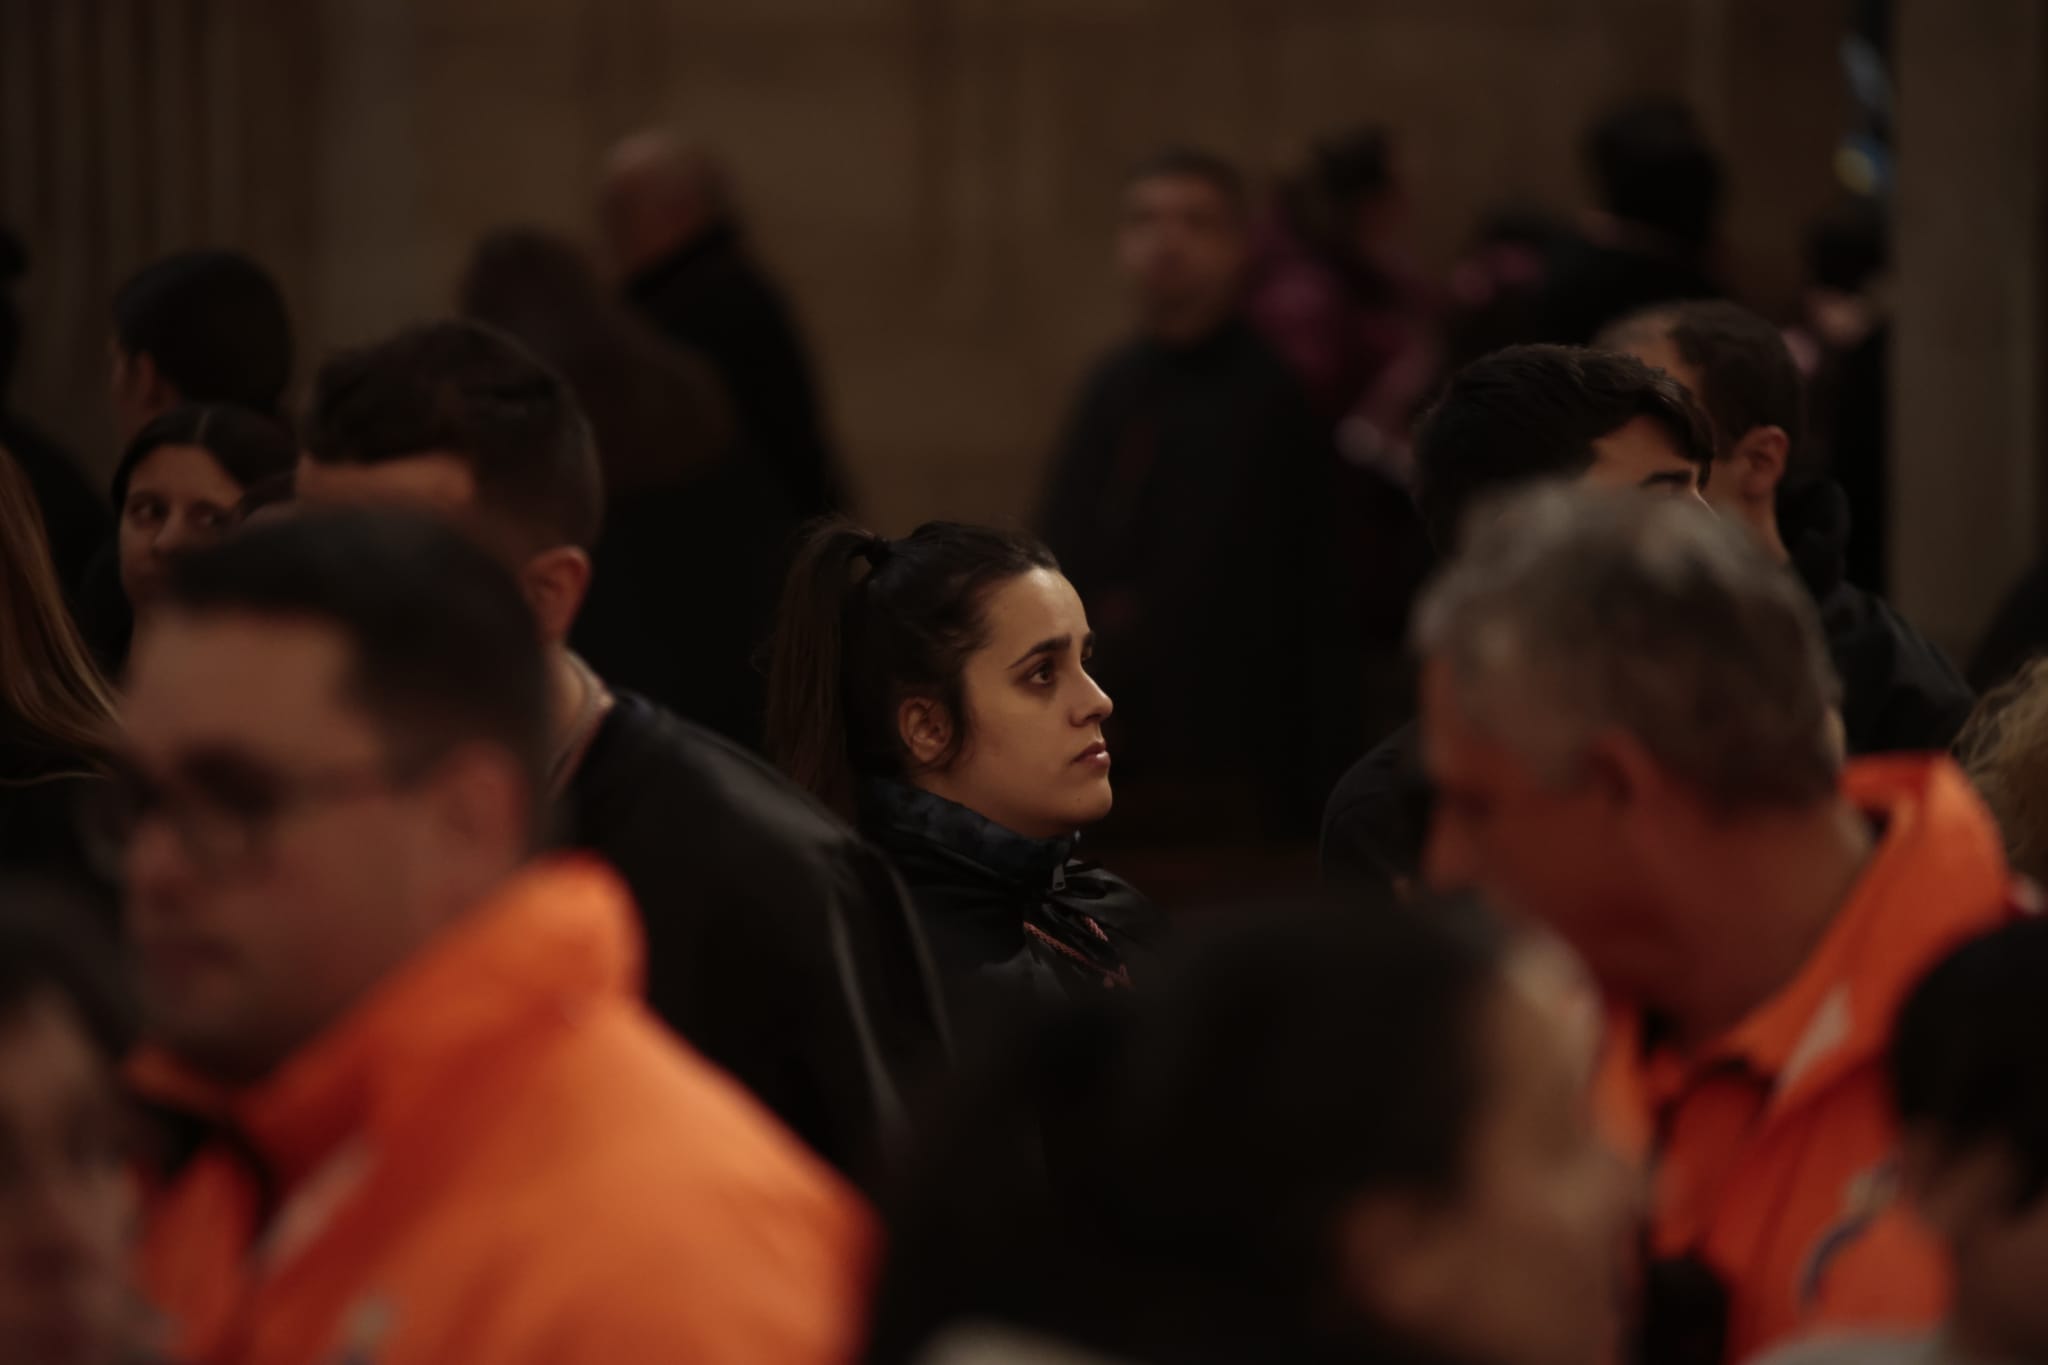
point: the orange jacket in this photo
(499, 1156)
(1771, 1151)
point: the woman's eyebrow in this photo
(1058, 644)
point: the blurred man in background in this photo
(1527, 413)
(431, 1119)
(1659, 187)
(1187, 504)
(1626, 716)
(668, 217)
(1899, 692)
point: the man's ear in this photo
(1393, 1261)
(925, 729)
(1758, 463)
(555, 582)
(1616, 764)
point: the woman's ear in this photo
(555, 582)
(925, 729)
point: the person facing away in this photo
(1627, 718)
(1524, 414)
(936, 690)
(778, 944)
(1323, 1137)
(1189, 489)
(198, 327)
(425, 1115)
(1660, 189)
(1899, 691)
(58, 733)
(73, 519)
(667, 215)
(685, 506)
(67, 1195)
(1969, 1069)
(180, 484)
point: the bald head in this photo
(658, 194)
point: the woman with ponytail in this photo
(935, 690)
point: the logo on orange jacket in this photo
(364, 1332)
(1864, 1199)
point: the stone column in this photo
(1967, 359)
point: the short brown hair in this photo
(474, 392)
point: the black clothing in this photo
(1590, 284)
(1189, 506)
(1377, 819)
(778, 943)
(74, 517)
(713, 297)
(1009, 920)
(1899, 693)
(683, 590)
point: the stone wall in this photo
(935, 178)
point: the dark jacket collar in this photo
(899, 809)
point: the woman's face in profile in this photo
(1035, 760)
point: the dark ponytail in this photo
(865, 623)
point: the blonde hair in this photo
(49, 683)
(2004, 749)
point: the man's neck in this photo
(1756, 911)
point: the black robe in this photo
(713, 297)
(1188, 506)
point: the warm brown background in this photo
(935, 178)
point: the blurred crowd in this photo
(497, 863)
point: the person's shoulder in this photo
(1856, 1350)
(1900, 691)
(691, 773)
(659, 1211)
(622, 1109)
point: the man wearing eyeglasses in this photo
(430, 1119)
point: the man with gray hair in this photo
(1627, 714)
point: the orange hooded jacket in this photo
(500, 1156)
(1771, 1151)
